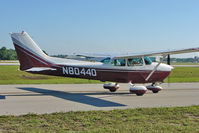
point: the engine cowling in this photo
(138, 90)
(154, 89)
(111, 86)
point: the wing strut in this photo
(155, 68)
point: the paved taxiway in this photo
(23, 99)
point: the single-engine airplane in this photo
(129, 68)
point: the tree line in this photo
(7, 54)
(10, 54)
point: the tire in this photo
(155, 91)
(112, 90)
(139, 94)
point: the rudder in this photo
(28, 52)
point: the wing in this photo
(162, 53)
(94, 55)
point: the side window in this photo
(106, 60)
(119, 62)
(147, 60)
(135, 62)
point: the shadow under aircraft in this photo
(2, 97)
(84, 98)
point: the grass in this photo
(184, 74)
(11, 75)
(173, 119)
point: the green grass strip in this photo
(184, 74)
(164, 119)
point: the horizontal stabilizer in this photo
(38, 69)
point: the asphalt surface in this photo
(23, 99)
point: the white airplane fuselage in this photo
(33, 60)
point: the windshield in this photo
(147, 60)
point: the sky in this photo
(102, 26)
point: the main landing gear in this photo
(154, 88)
(111, 86)
(138, 90)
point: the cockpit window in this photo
(138, 61)
(135, 62)
(119, 62)
(147, 60)
(106, 60)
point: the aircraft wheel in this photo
(155, 91)
(112, 90)
(140, 94)
(111, 86)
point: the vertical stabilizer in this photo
(28, 52)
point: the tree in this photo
(7, 54)
(3, 53)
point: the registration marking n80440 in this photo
(79, 71)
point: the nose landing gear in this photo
(154, 88)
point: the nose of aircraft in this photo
(165, 67)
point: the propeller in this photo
(168, 59)
(168, 63)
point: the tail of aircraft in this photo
(28, 52)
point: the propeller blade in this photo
(168, 60)
(169, 63)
